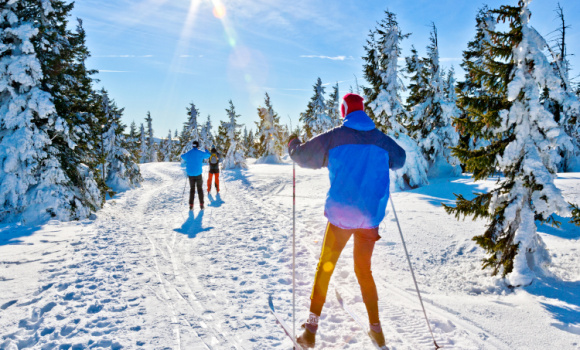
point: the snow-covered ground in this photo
(145, 273)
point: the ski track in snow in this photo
(148, 274)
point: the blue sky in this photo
(160, 55)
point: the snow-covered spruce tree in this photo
(523, 145)
(26, 114)
(284, 135)
(449, 86)
(561, 100)
(333, 106)
(151, 145)
(244, 140)
(175, 154)
(383, 102)
(205, 137)
(235, 152)
(473, 60)
(269, 133)
(431, 112)
(248, 142)
(250, 145)
(41, 176)
(121, 166)
(315, 119)
(222, 143)
(133, 141)
(166, 149)
(69, 82)
(143, 155)
(190, 128)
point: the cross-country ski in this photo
(357, 320)
(403, 177)
(287, 331)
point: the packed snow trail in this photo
(146, 273)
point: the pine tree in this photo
(63, 56)
(143, 154)
(133, 142)
(473, 60)
(383, 102)
(235, 152)
(45, 98)
(151, 145)
(121, 171)
(166, 149)
(176, 151)
(269, 134)
(561, 101)
(190, 129)
(170, 148)
(206, 138)
(560, 62)
(245, 141)
(523, 141)
(26, 115)
(333, 106)
(284, 135)
(251, 145)
(315, 119)
(222, 143)
(431, 112)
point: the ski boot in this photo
(378, 338)
(201, 206)
(307, 339)
(191, 207)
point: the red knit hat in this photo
(351, 103)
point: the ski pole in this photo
(413, 273)
(183, 194)
(183, 197)
(293, 249)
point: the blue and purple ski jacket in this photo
(358, 157)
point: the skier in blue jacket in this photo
(193, 167)
(358, 157)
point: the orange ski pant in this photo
(335, 240)
(217, 181)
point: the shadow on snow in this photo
(237, 174)
(567, 230)
(215, 202)
(193, 225)
(10, 233)
(562, 301)
(441, 190)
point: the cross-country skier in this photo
(214, 170)
(358, 157)
(193, 167)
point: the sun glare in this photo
(219, 10)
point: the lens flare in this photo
(219, 10)
(328, 266)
